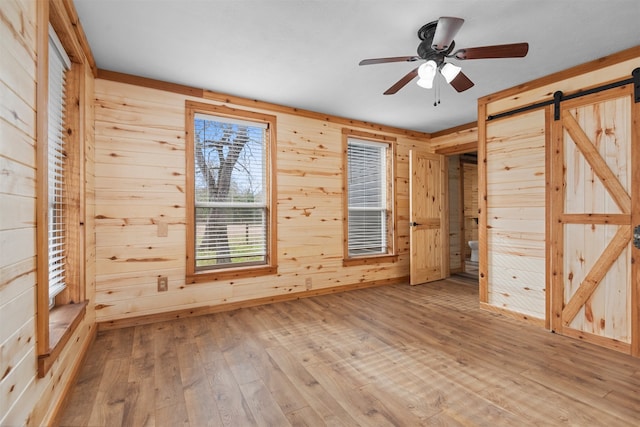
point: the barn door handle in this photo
(415, 224)
(636, 236)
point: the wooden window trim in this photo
(63, 321)
(55, 327)
(392, 239)
(369, 259)
(193, 276)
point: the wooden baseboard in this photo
(199, 311)
(60, 406)
(513, 314)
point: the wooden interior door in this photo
(429, 238)
(592, 181)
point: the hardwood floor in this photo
(393, 355)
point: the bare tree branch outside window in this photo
(229, 192)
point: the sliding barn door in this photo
(428, 236)
(593, 191)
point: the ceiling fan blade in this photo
(402, 82)
(446, 30)
(461, 82)
(391, 59)
(514, 50)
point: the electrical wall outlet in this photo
(307, 283)
(163, 283)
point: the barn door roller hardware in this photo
(558, 97)
(636, 236)
(636, 84)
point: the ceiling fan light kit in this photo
(427, 72)
(449, 71)
(436, 46)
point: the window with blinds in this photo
(59, 64)
(231, 215)
(367, 197)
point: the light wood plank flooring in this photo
(393, 355)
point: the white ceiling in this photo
(305, 53)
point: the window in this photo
(61, 128)
(231, 216)
(369, 196)
(59, 65)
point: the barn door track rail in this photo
(558, 97)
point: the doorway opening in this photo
(463, 214)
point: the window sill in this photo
(230, 273)
(379, 259)
(63, 321)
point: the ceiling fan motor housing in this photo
(427, 31)
(425, 51)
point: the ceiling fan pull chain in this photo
(435, 92)
(435, 95)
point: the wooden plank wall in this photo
(455, 214)
(140, 181)
(514, 211)
(457, 140)
(515, 171)
(17, 225)
(24, 398)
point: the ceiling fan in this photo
(436, 46)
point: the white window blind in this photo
(367, 195)
(231, 215)
(59, 64)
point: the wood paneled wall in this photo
(515, 174)
(140, 181)
(17, 225)
(26, 399)
(514, 161)
(457, 140)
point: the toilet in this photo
(473, 244)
